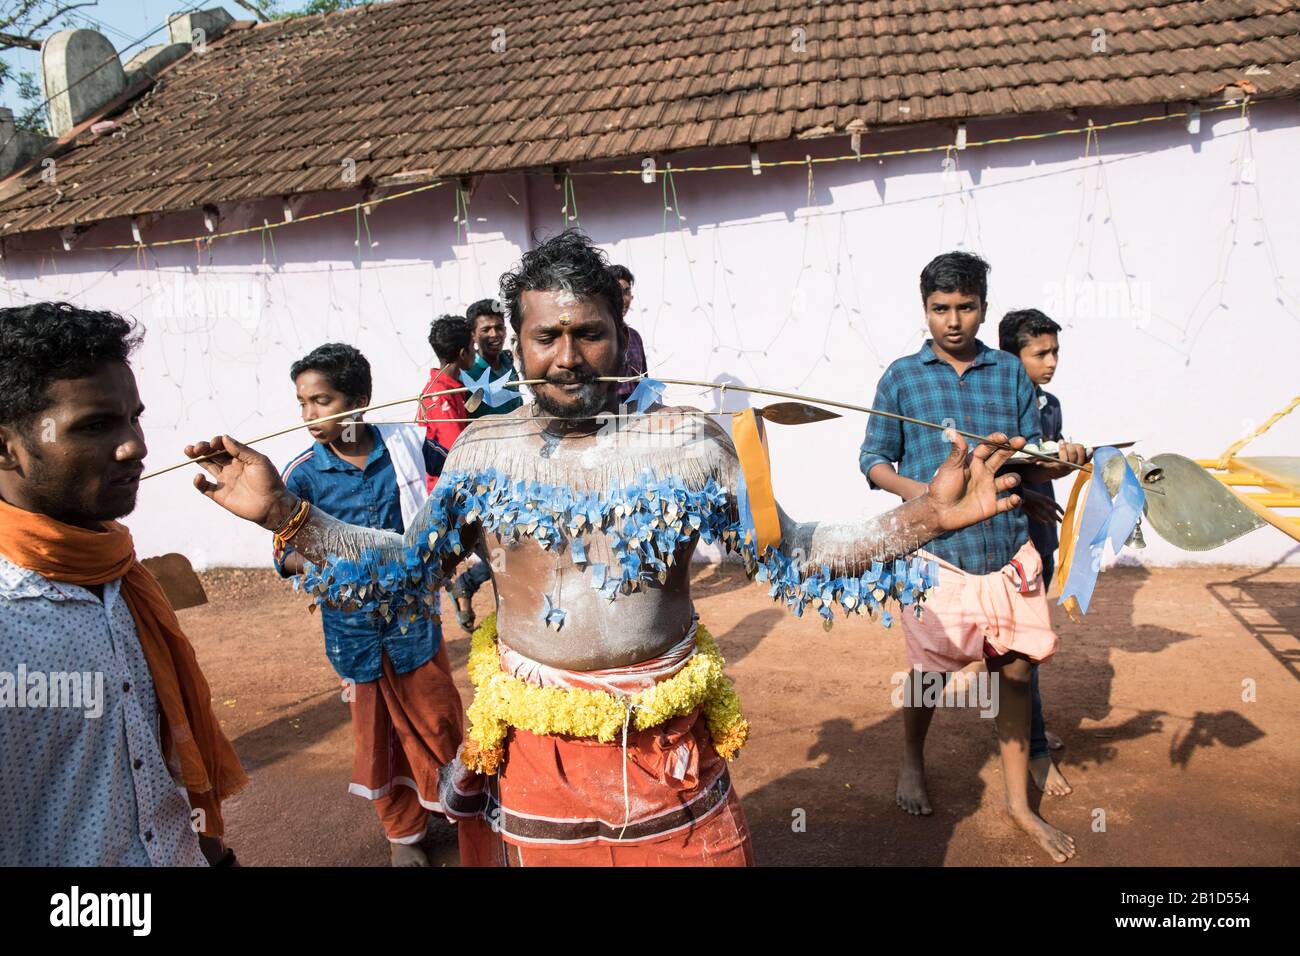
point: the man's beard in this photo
(54, 501)
(591, 399)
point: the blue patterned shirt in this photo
(994, 394)
(83, 779)
(354, 642)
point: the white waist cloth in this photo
(619, 681)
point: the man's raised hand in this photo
(247, 483)
(965, 489)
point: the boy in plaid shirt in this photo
(990, 603)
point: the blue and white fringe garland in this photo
(645, 522)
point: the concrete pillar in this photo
(82, 73)
(212, 22)
(17, 147)
(151, 59)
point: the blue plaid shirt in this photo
(354, 642)
(993, 395)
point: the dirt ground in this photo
(1170, 765)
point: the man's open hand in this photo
(247, 483)
(965, 490)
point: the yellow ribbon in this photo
(751, 448)
(1068, 530)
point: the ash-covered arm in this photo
(349, 567)
(864, 565)
(324, 539)
(851, 548)
(354, 567)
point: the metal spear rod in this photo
(689, 383)
(725, 387)
(315, 421)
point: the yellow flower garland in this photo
(502, 702)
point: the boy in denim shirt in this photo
(1032, 337)
(407, 718)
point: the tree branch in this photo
(9, 41)
(252, 8)
(26, 38)
(60, 12)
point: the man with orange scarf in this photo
(110, 753)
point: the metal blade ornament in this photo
(795, 413)
(1185, 504)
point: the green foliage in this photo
(31, 116)
(312, 7)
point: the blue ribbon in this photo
(1104, 519)
(647, 392)
(494, 393)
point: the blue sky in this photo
(122, 21)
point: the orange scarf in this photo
(196, 751)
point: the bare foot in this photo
(1047, 777)
(911, 794)
(1053, 741)
(403, 854)
(1058, 844)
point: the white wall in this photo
(1160, 258)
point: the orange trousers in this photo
(405, 727)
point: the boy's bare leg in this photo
(1047, 776)
(911, 794)
(1013, 739)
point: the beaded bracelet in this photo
(284, 534)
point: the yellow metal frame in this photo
(1274, 491)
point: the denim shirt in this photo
(355, 640)
(994, 394)
(1044, 534)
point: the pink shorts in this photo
(971, 616)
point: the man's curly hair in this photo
(50, 341)
(568, 261)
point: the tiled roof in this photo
(414, 87)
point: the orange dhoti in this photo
(663, 797)
(558, 801)
(405, 728)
